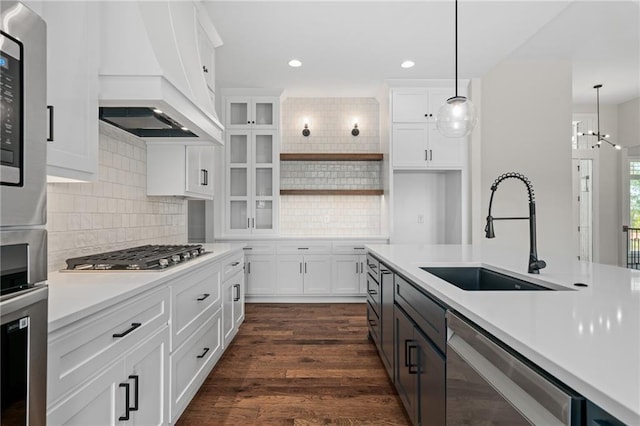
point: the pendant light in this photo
(457, 116)
(600, 137)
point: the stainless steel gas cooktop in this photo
(141, 258)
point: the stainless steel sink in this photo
(482, 279)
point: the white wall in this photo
(526, 127)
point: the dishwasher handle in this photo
(532, 394)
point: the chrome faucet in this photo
(535, 264)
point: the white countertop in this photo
(588, 338)
(74, 295)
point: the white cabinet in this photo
(180, 170)
(252, 188)
(349, 275)
(421, 146)
(110, 362)
(416, 142)
(244, 112)
(304, 267)
(232, 297)
(72, 88)
(418, 105)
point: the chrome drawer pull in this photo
(134, 325)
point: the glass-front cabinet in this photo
(252, 112)
(252, 184)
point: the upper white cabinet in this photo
(419, 105)
(416, 142)
(244, 112)
(73, 31)
(180, 170)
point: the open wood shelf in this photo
(322, 156)
(331, 192)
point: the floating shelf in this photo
(331, 192)
(322, 156)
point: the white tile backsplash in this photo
(114, 212)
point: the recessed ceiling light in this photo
(407, 64)
(295, 63)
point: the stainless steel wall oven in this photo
(23, 237)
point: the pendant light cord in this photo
(456, 48)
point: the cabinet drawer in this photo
(194, 296)
(191, 364)
(424, 311)
(304, 247)
(373, 267)
(232, 265)
(77, 352)
(373, 293)
(354, 246)
(373, 322)
(254, 247)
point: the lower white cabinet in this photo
(308, 274)
(260, 273)
(232, 306)
(131, 391)
(349, 274)
(192, 362)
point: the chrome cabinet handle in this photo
(203, 353)
(134, 325)
(204, 296)
(237, 296)
(126, 402)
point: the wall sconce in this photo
(306, 132)
(355, 131)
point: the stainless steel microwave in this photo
(23, 116)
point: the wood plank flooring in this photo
(298, 364)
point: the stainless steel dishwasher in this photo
(488, 385)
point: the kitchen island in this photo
(586, 337)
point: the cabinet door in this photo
(431, 382)
(317, 274)
(101, 399)
(199, 170)
(238, 112)
(72, 89)
(346, 274)
(147, 370)
(227, 311)
(264, 152)
(290, 274)
(260, 274)
(410, 146)
(406, 367)
(238, 152)
(437, 98)
(264, 112)
(445, 152)
(410, 106)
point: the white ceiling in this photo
(348, 48)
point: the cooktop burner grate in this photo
(148, 257)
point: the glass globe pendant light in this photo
(457, 117)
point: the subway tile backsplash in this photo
(330, 215)
(330, 175)
(113, 212)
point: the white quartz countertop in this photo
(74, 295)
(588, 338)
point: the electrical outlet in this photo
(420, 218)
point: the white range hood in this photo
(151, 57)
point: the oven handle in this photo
(537, 399)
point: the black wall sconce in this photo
(355, 131)
(306, 132)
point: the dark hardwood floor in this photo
(298, 364)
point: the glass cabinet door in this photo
(238, 113)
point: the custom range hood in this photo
(156, 70)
